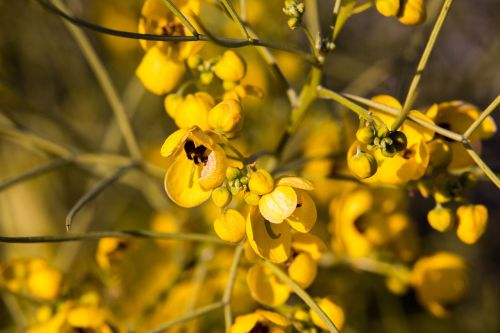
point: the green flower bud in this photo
(388, 151)
(233, 173)
(399, 140)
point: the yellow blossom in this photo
(362, 165)
(230, 67)
(265, 287)
(230, 226)
(457, 116)
(260, 320)
(159, 73)
(408, 12)
(387, 7)
(440, 218)
(44, 282)
(472, 221)
(303, 270)
(226, 118)
(439, 280)
(261, 182)
(196, 164)
(191, 111)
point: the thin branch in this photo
(303, 295)
(329, 94)
(94, 192)
(335, 15)
(191, 315)
(73, 237)
(421, 65)
(483, 166)
(181, 17)
(243, 10)
(482, 117)
(236, 18)
(106, 85)
(226, 298)
(227, 42)
(40, 170)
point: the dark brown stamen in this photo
(197, 154)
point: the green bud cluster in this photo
(237, 180)
(294, 9)
(389, 142)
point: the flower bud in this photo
(206, 78)
(230, 226)
(229, 85)
(365, 135)
(171, 103)
(252, 199)
(232, 173)
(303, 270)
(261, 182)
(221, 197)
(226, 117)
(388, 151)
(472, 221)
(387, 7)
(441, 218)
(332, 310)
(382, 131)
(193, 111)
(193, 61)
(158, 73)
(230, 67)
(413, 12)
(362, 165)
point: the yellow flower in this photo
(226, 118)
(267, 232)
(457, 116)
(409, 164)
(157, 19)
(196, 164)
(261, 182)
(365, 220)
(472, 221)
(439, 280)
(332, 310)
(191, 111)
(230, 226)
(260, 321)
(265, 287)
(159, 73)
(44, 282)
(362, 165)
(387, 7)
(230, 67)
(303, 270)
(408, 12)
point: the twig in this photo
(236, 18)
(329, 94)
(483, 166)
(94, 192)
(482, 117)
(106, 85)
(73, 237)
(421, 65)
(226, 298)
(303, 295)
(191, 315)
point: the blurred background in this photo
(48, 89)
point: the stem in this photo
(226, 298)
(235, 17)
(106, 85)
(329, 94)
(191, 315)
(335, 15)
(40, 170)
(361, 8)
(72, 237)
(243, 10)
(421, 65)
(312, 42)
(94, 192)
(480, 163)
(387, 109)
(482, 117)
(303, 295)
(181, 17)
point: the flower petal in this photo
(265, 287)
(304, 216)
(279, 204)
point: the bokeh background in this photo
(47, 88)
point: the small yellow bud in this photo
(226, 117)
(232, 173)
(171, 103)
(229, 85)
(230, 67)
(387, 7)
(252, 199)
(472, 221)
(206, 78)
(396, 285)
(365, 135)
(441, 218)
(193, 61)
(261, 182)
(221, 197)
(362, 165)
(413, 12)
(332, 310)
(230, 226)
(303, 270)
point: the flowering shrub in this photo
(246, 186)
